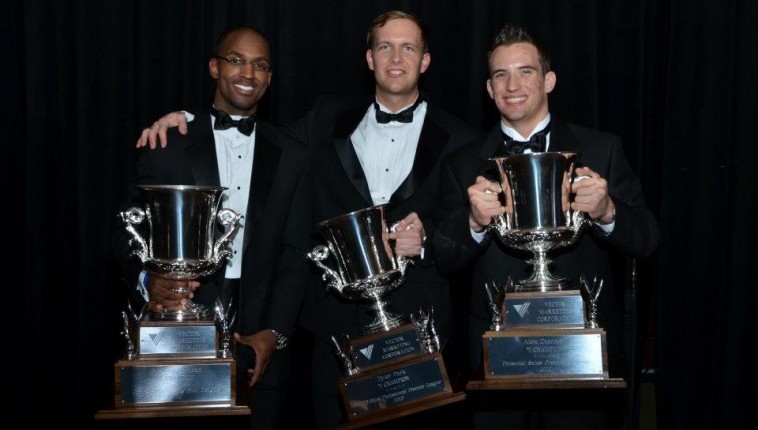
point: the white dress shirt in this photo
(386, 151)
(234, 153)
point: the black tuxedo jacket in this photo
(339, 187)
(635, 232)
(276, 226)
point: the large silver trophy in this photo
(367, 267)
(178, 240)
(540, 331)
(394, 368)
(538, 188)
(178, 360)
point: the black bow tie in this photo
(224, 122)
(536, 143)
(402, 116)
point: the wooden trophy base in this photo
(150, 388)
(407, 387)
(394, 375)
(545, 359)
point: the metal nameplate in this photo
(374, 350)
(414, 380)
(544, 310)
(176, 383)
(176, 340)
(569, 353)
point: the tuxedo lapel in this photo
(265, 165)
(493, 147)
(201, 153)
(562, 139)
(344, 125)
(430, 145)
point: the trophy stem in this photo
(541, 279)
(384, 321)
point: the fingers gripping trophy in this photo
(541, 329)
(180, 356)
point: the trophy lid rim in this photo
(181, 187)
(566, 154)
(327, 221)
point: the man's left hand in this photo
(264, 345)
(409, 235)
(591, 196)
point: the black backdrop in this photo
(675, 79)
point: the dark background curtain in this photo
(675, 79)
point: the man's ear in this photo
(489, 89)
(550, 80)
(213, 68)
(425, 60)
(369, 60)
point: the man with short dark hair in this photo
(519, 82)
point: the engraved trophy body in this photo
(541, 335)
(178, 360)
(178, 240)
(367, 267)
(538, 187)
(394, 368)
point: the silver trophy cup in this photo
(366, 266)
(177, 242)
(538, 188)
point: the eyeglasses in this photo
(258, 65)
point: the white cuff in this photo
(478, 236)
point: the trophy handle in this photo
(132, 217)
(401, 260)
(578, 220)
(318, 254)
(230, 220)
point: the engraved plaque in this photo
(564, 309)
(410, 381)
(387, 347)
(172, 383)
(545, 354)
(192, 339)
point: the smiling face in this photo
(518, 86)
(398, 59)
(240, 88)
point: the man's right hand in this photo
(159, 128)
(170, 293)
(485, 203)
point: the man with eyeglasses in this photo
(261, 169)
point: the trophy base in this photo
(176, 339)
(545, 354)
(544, 384)
(550, 309)
(419, 383)
(171, 412)
(180, 382)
